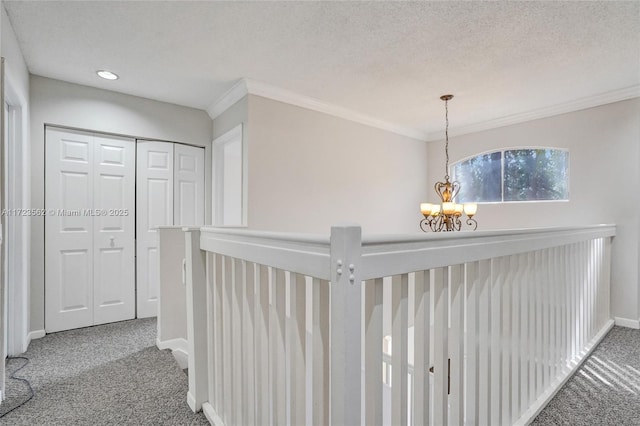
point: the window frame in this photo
(502, 151)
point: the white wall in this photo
(65, 104)
(604, 152)
(17, 96)
(309, 170)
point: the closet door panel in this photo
(114, 213)
(154, 203)
(188, 186)
(68, 230)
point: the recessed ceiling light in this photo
(107, 75)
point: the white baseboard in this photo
(36, 334)
(625, 322)
(173, 344)
(179, 349)
(211, 415)
(182, 358)
(557, 384)
(191, 402)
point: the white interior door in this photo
(89, 229)
(68, 236)
(113, 230)
(188, 189)
(154, 207)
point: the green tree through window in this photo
(526, 174)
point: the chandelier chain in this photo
(446, 133)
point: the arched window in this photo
(519, 174)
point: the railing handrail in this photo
(384, 255)
(304, 254)
(293, 237)
(376, 239)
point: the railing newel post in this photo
(196, 320)
(345, 325)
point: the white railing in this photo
(479, 328)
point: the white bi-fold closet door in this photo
(89, 229)
(105, 196)
(170, 191)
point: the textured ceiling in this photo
(388, 60)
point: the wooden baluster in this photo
(218, 326)
(373, 352)
(262, 313)
(422, 337)
(579, 269)
(399, 324)
(606, 280)
(236, 338)
(546, 313)
(212, 321)
(296, 349)
(531, 353)
(456, 345)
(600, 316)
(595, 279)
(575, 309)
(484, 355)
(523, 267)
(277, 347)
(553, 312)
(516, 277)
(539, 313)
(496, 342)
(227, 389)
(564, 303)
(505, 280)
(440, 344)
(248, 352)
(320, 353)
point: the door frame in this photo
(17, 195)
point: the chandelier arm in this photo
(438, 223)
(472, 222)
(424, 222)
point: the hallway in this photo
(104, 375)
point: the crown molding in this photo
(247, 86)
(267, 91)
(563, 108)
(230, 97)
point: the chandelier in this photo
(447, 216)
